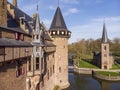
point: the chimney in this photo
(15, 3)
(3, 12)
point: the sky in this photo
(84, 18)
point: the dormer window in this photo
(22, 37)
(16, 36)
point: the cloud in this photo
(52, 7)
(93, 29)
(70, 1)
(71, 11)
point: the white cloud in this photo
(93, 29)
(71, 11)
(52, 7)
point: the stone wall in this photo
(48, 82)
(8, 78)
(12, 53)
(61, 62)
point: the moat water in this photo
(87, 82)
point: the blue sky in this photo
(84, 18)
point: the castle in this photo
(32, 57)
(104, 59)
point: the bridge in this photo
(70, 69)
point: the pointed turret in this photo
(104, 34)
(58, 27)
(37, 22)
(60, 35)
(58, 21)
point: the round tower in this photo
(60, 35)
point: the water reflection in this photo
(86, 82)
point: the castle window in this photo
(22, 37)
(48, 74)
(54, 33)
(53, 55)
(105, 55)
(37, 49)
(3, 3)
(19, 70)
(37, 63)
(105, 61)
(53, 69)
(2, 51)
(105, 48)
(59, 69)
(0, 34)
(50, 71)
(22, 21)
(62, 32)
(16, 36)
(37, 36)
(33, 37)
(69, 33)
(29, 65)
(42, 64)
(64, 46)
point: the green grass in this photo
(84, 64)
(115, 66)
(106, 73)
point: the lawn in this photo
(84, 64)
(115, 66)
(107, 73)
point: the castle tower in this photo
(3, 12)
(60, 35)
(14, 3)
(105, 60)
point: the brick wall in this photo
(8, 79)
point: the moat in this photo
(87, 82)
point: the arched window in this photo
(105, 48)
(59, 69)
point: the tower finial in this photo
(58, 2)
(104, 20)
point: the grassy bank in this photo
(107, 73)
(115, 66)
(84, 64)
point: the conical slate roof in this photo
(104, 35)
(37, 23)
(58, 21)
